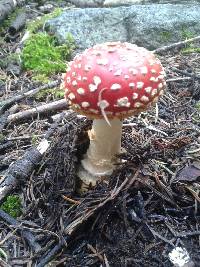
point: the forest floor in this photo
(149, 208)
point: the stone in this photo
(148, 25)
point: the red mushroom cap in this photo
(117, 79)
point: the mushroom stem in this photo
(105, 144)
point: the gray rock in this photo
(151, 25)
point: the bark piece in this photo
(17, 24)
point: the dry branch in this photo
(46, 108)
(8, 6)
(22, 168)
(17, 24)
(176, 45)
(4, 105)
(87, 3)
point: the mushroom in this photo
(107, 83)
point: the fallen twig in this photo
(53, 106)
(175, 45)
(26, 234)
(183, 72)
(4, 105)
(17, 24)
(22, 168)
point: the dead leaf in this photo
(189, 173)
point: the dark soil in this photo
(149, 206)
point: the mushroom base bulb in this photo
(105, 145)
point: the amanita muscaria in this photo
(107, 83)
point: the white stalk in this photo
(105, 144)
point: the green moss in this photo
(190, 50)
(166, 36)
(197, 105)
(38, 24)
(2, 138)
(186, 33)
(43, 55)
(3, 254)
(40, 78)
(55, 93)
(12, 206)
(34, 140)
(190, 47)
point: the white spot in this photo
(162, 72)
(153, 79)
(97, 80)
(73, 73)
(68, 80)
(140, 85)
(84, 79)
(153, 71)
(118, 72)
(85, 104)
(103, 104)
(92, 87)
(74, 83)
(115, 86)
(79, 65)
(87, 68)
(133, 71)
(144, 70)
(123, 102)
(160, 86)
(79, 78)
(144, 99)
(135, 96)
(161, 77)
(138, 105)
(126, 77)
(154, 92)
(148, 89)
(80, 91)
(180, 257)
(102, 61)
(75, 66)
(151, 62)
(131, 85)
(71, 96)
(42, 147)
